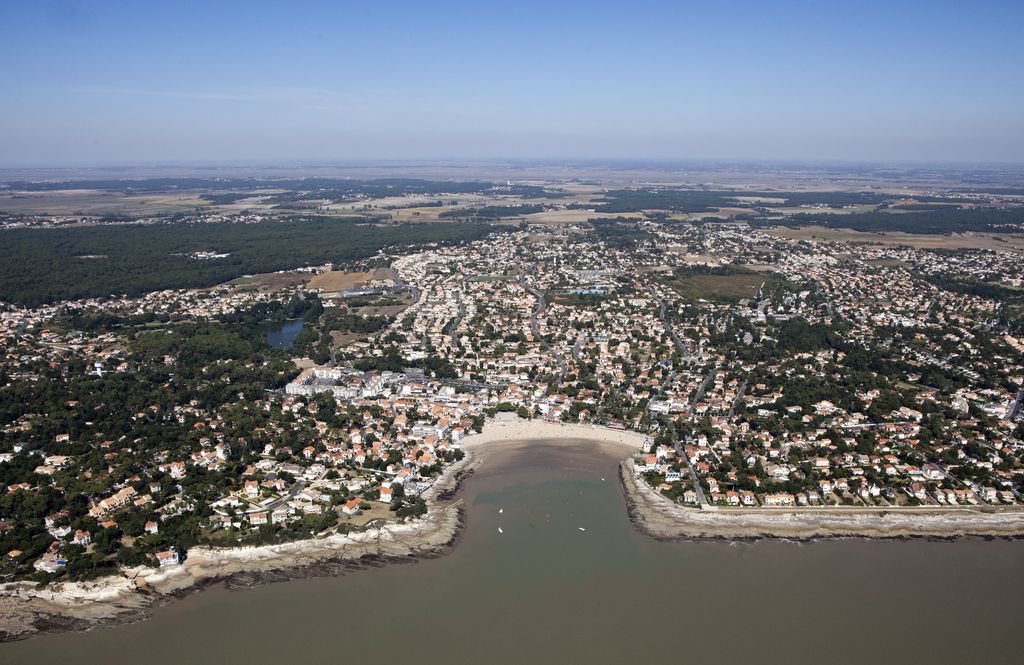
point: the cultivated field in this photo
(852, 210)
(920, 241)
(759, 199)
(97, 203)
(556, 217)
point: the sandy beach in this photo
(525, 430)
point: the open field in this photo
(270, 281)
(647, 270)
(713, 287)
(339, 340)
(408, 208)
(851, 210)
(758, 199)
(424, 214)
(390, 305)
(341, 280)
(555, 217)
(97, 203)
(720, 213)
(372, 510)
(257, 202)
(920, 241)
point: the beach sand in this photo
(524, 430)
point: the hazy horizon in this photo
(246, 84)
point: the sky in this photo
(93, 82)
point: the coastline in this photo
(26, 610)
(524, 430)
(662, 519)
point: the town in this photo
(477, 332)
(768, 372)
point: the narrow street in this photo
(668, 326)
(701, 389)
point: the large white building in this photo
(343, 383)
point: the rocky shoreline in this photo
(662, 519)
(26, 610)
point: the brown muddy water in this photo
(543, 591)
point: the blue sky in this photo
(95, 83)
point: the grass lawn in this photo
(718, 287)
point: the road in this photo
(701, 499)
(667, 382)
(699, 394)
(739, 396)
(668, 326)
(578, 347)
(826, 296)
(956, 481)
(288, 496)
(451, 326)
(400, 284)
(539, 309)
(1018, 406)
(563, 364)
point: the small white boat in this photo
(501, 510)
(499, 530)
(581, 528)
(602, 480)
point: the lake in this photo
(543, 591)
(282, 335)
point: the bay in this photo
(544, 591)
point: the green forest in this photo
(45, 265)
(492, 212)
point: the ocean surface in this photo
(544, 590)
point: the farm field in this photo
(918, 241)
(556, 217)
(97, 203)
